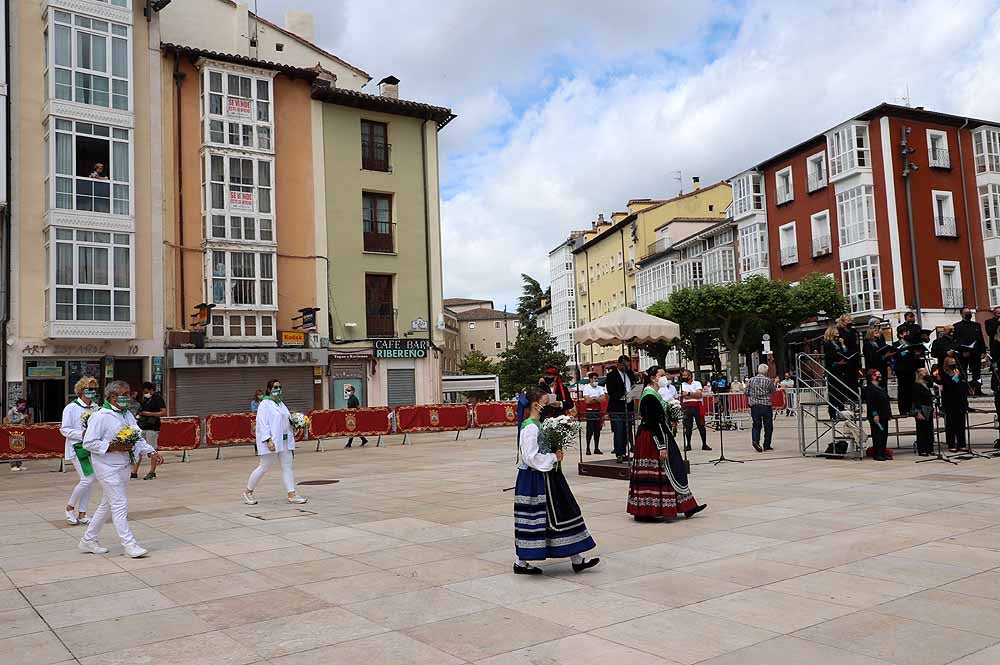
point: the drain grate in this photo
(318, 482)
(282, 515)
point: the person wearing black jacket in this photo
(876, 355)
(879, 413)
(851, 340)
(834, 351)
(970, 346)
(923, 412)
(907, 362)
(954, 403)
(619, 382)
(945, 345)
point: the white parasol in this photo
(627, 326)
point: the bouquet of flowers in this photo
(85, 418)
(675, 412)
(298, 421)
(558, 433)
(128, 437)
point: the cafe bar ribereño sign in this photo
(401, 348)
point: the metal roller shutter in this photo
(201, 392)
(402, 387)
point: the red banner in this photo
(330, 423)
(495, 414)
(432, 418)
(32, 442)
(230, 429)
(179, 433)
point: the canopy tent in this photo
(627, 326)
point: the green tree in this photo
(478, 364)
(659, 350)
(522, 364)
(815, 296)
(530, 301)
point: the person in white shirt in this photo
(666, 389)
(691, 401)
(112, 466)
(275, 439)
(595, 396)
(72, 428)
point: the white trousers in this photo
(266, 462)
(114, 484)
(81, 493)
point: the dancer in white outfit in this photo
(72, 428)
(112, 468)
(275, 439)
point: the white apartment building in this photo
(749, 211)
(562, 269)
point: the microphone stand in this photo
(937, 434)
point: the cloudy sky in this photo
(568, 108)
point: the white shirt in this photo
(530, 455)
(687, 388)
(273, 423)
(594, 392)
(102, 427)
(72, 424)
(668, 392)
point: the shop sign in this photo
(401, 348)
(293, 338)
(52, 371)
(239, 108)
(241, 201)
(187, 358)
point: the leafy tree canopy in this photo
(530, 301)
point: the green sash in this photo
(284, 435)
(109, 405)
(83, 455)
(658, 396)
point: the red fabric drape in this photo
(179, 433)
(432, 418)
(230, 429)
(329, 423)
(31, 441)
(495, 414)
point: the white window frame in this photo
(849, 147)
(119, 294)
(856, 215)
(748, 193)
(259, 193)
(753, 248)
(784, 189)
(986, 149)
(472, 325)
(817, 172)
(80, 26)
(952, 297)
(77, 187)
(228, 279)
(789, 251)
(938, 156)
(862, 297)
(822, 240)
(227, 113)
(945, 224)
(993, 279)
(223, 329)
(989, 209)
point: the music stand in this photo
(937, 434)
(722, 452)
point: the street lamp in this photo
(908, 169)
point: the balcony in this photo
(380, 325)
(945, 227)
(817, 181)
(789, 255)
(375, 155)
(783, 194)
(938, 158)
(657, 247)
(379, 237)
(952, 298)
(822, 245)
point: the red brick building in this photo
(836, 203)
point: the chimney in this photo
(300, 23)
(600, 218)
(389, 87)
(697, 183)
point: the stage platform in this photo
(608, 468)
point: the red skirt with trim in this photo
(658, 488)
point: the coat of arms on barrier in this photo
(17, 443)
(435, 417)
(351, 423)
(508, 413)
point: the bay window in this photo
(238, 198)
(241, 324)
(748, 193)
(90, 275)
(986, 148)
(849, 148)
(856, 214)
(91, 165)
(236, 110)
(862, 284)
(989, 206)
(753, 248)
(242, 279)
(993, 279)
(87, 60)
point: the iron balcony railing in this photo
(945, 226)
(379, 237)
(952, 298)
(375, 155)
(783, 194)
(380, 325)
(821, 245)
(938, 157)
(789, 255)
(816, 181)
(660, 245)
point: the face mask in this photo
(549, 380)
(147, 395)
(956, 378)
(663, 382)
(90, 393)
(123, 401)
(967, 317)
(593, 382)
(276, 392)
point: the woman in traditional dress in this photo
(548, 523)
(72, 428)
(275, 440)
(658, 486)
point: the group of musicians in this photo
(955, 370)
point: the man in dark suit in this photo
(906, 362)
(620, 380)
(970, 343)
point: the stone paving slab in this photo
(406, 561)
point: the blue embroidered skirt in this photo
(548, 523)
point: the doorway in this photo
(130, 371)
(339, 391)
(46, 399)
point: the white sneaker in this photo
(83, 520)
(71, 518)
(91, 546)
(135, 551)
(15, 468)
(295, 498)
(248, 498)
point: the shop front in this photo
(350, 368)
(202, 382)
(386, 372)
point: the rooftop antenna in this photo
(905, 100)
(679, 177)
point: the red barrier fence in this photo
(230, 429)
(494, 414)
(32, 441)
(331, 423)
(179, 433)
(432, 418)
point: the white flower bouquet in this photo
(298, 421)
(558, 433)
(675, 412)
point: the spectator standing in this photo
(692, 402)
(759, 390)
(258, 397)
(971, 346)
(620, 380)
(787, 384)
(151, 409)
(19, 414)
(353, 403)
(594, 397)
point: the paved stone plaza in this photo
(407, 561)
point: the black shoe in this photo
(527, 569)
(348, 445)
(705, 446)
(587, 563)
(694, 511)
(687, 447)
(768, 449)
(364, 441)
(150, 476)
(597, 451)
(134, 476)
(588, 450)
(879, 458)
(756, 446)
(620, 459)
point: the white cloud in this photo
(570, 108)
